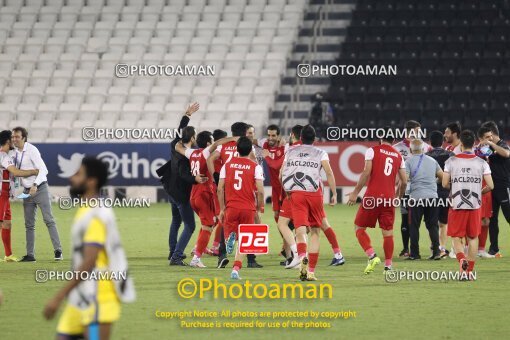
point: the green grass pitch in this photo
(432, 310)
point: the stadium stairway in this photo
(452, 58)
(294, 101)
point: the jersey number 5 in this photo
(388, 166)
(238, 180)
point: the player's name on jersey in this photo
(240, 166)
(388, 153)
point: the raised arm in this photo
(192, 108)
(221, 141)
(503, 152)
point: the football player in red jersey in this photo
(215, 249)
(239, 180)
(301, 179)
(226, 153)
(382, 165)
(463, 175)
(285, 223)
(273, 152)
(202, 195)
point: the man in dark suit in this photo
(179, 188)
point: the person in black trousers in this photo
(179, 187)
(499, 162)
(422, 171)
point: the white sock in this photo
(293, 248)
(338, 256)
(195, 258)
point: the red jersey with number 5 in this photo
(240, 175)
(198, 163)
(386, 162)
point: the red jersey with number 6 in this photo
(386, 162)
(240, 175)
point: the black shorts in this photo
(443, 210)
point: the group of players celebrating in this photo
(229, 191)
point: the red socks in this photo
(364, 241)
(471, 266)
(237, 265)
(482, 238)
(301, 249)
(330, 234)
(203, 240)
(460, 256)
(6, 239)
(388, 250)
(312, 261)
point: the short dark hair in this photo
(296, 130)
(203, 138)
(238, 129)
(308, 134)
(187, 133)
(5, 136)
(219, 134)
(96, 168)
(24, 132)
(436, 139)
(493, 126)
(244, 146)
(388, 136)
(467, 138)
(454, 128)
(483, 130)
(411, 124)
(274, 127)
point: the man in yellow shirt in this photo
(100, 282)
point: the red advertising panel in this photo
(347, 160)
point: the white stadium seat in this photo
(59, 57)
